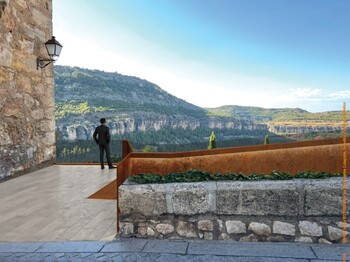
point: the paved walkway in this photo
(171, 250)
(51, 205)
(46, 216)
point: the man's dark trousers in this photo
(102, 138)
(103, 149)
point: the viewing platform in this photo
(52, 204)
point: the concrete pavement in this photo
(170, 250)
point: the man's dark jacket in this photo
(101, 135)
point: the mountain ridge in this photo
(132, 105)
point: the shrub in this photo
(266, 140)
(194, 175)
(212, 141)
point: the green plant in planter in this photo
(266, 140)
(194, 175)
(148, 148)
(212, 141)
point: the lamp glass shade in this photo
(53, 48)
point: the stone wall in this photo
(295, 210)
(27, 136)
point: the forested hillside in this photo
(295, 123)
(149, 116)
(130, 105)
(263, 115)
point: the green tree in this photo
(148, 148)
(212, 141)
(266, 140)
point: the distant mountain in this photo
(132, 105)
(257, 114)
(101, 88)
(139, 110)
(263, 115)
(284, 120)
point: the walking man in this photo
(102, 138)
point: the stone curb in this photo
(173, 249)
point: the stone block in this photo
(324, 198)
(205, 225)
(124, 245)
(190, 199)
(283, 228)
(331, 252)
(165, 229)
(6, 56)
(150, 232)
(310, 229)
(221, 225)
(208, 236)
(126, 228)
(335, 233)
(257, 198)
(228, 197)
(260, 228)
(304, 239)
(164, 246)
(224, 236)
(68, 247)
(26, 46)
(142, 230)
(185, 229)
(40, 18)
(19, 247)
(146, 200)
(22, 3)
(324, 241)
(235, 227)
(276, 239)
(340, 224)
(251, 252)
(250, 238)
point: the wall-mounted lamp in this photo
(3, 4)
(53, 48)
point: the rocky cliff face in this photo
(130, 105)
(302, 128)
(83, 129)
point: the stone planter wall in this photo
(295, 210)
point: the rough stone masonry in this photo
(27, 124)
(289, 211)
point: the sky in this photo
(265, 53)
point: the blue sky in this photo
(268, 53)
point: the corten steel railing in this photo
(239, 149)
(317, 153)
(123, 171)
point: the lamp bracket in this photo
(42, 62)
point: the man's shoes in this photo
(112, 167)
(102, 167)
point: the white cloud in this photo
(343, 94)
(196, 83)
(305, 92)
